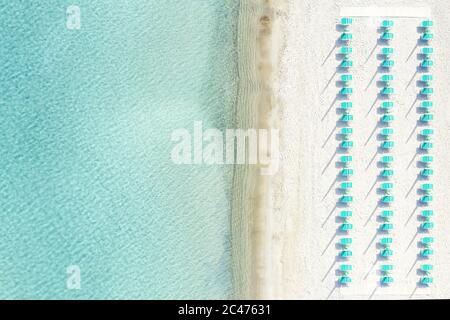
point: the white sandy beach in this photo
(284, 226)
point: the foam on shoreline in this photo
(258, 46)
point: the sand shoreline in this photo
(258, 46)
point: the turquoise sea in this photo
(85, 172)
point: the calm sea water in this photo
(85, 172)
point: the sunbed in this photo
(387, 145)
(346, 186)
(345, 253)
(426, 146)
(387, 199)
(426, 172)
(428, 225)
(427, 214)
(387, 227)
(427, 23)
(427, 63)
(346, 63)
(427, 91)
(387, 79)
(345, 280)
(387, 91)
(346, 214)
(346, 78)
(386, 173)
(387, 24)
(427, 117)
(346, 172)
(387, 64)
(347, 117)
(386, 242)
(427, 52)
(347, 144)
(346, 242)
(346, 199)
(426, 79)
(427, 105)
(426, 253)
(427, 133)
(346, 227)
(387, 36)
(387, 52)
(345, 269)
(427, 188)
(427, 36)
(387, 131)
(346, 160)
(386, 268)
(346, 51)
(427, 160)
(426, 281)
(387, 118)
(346, 22)
(346, 131)
(346, 36)
(387, 187)
(427, 241)
(386, 280)
(346, 91)
(426, 268)
(387, 215)
(386, 253)
(387, 160)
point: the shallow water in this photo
(85, 172)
